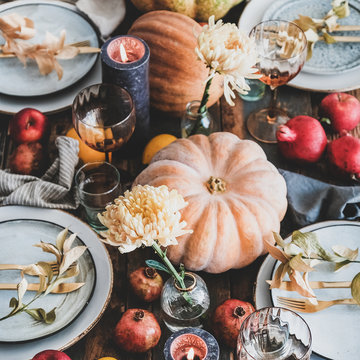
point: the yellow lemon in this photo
(107, 358)
(155, 144)
(86, 153)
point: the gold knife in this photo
(287, 285)
(60, 289)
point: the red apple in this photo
(28, 125)
(51, 355)
(342, 109)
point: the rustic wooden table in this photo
(232, 284)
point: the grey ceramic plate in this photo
(327, 58)
(48, 222)
(338, 325)
(17, 238)
(52, 16)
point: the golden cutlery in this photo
(53, 264)
(305, 306)
(347, 28)
(60, 289)
(344, 38)
(76, 44)
(287, 285)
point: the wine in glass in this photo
(282, 49)
(104, 117)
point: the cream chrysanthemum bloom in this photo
(143, 215)
(227, 50)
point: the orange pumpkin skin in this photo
(176, 75)
(229, 227)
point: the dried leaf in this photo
(46, 270)
(306, 23)
(42, 284)
(341, 265)
(342, 10)
(345, 252)
(37, 314)
(50, 316)
(328, 38)
(54, 284)
(21, 289)
(13, 302)
(49, 248)
(297, 263)
(279, 240)
(279, 275)
(355, 288)
(68, 52)
(32, 270)
(275, 252)
(300, 285)
(60, 239)
(72, 271)
(70, 257)
(310, 244)
(68, 243)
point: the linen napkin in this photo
(312, 200)
(106, 14)
(53, 190)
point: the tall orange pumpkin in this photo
(176, 76)
(236, 199)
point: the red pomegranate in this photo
(137, 331)
(146, 283)
(227, 320)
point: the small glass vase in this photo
(190, 124)
(183, 308)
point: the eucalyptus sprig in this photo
(301, 254)
(65, 257)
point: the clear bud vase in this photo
(194, 123)
(183, 308)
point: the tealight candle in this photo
(125, 62)
(191, 344)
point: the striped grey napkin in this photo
(53, 190)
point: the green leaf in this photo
(38, 314)
(50, 316)
(355, 288)
(325, 120)
(157, 265)
(182, 270)
(340, 265)
(13, 302)
(310, 244)
(342, 10)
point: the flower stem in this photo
(202, 108)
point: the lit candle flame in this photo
(190, 355)
(123, 55)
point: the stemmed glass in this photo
(104, 117)
(282, 49)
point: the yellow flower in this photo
(143, 215)
(227, 50)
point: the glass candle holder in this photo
(182, 308)
(274, 333)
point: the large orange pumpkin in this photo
(176, 75)
(236, 199)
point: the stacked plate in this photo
(24, 86)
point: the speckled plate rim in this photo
(350, 80)
(101, 295)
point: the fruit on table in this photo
(176, 75)
(155, 144)
(28, 125)
(27, 159)
(344, 153)
(227, 319)
(343, 111)
(51, 355)
(86, 153)
(200, 10)
(107, 358)
(146, 283)
(137, 331)
(302, 138)
(236, 199)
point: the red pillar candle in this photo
(125, 62)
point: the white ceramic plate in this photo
(99, 299)
(335, 330)
(338, 81)
(53, 17)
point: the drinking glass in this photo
(274, 333)
(98, 184)
(104, 117)
(282, 49)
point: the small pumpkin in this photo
(199, 10)
(236, 199)
(176, 75)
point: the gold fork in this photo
(53, 264)
(305, 306)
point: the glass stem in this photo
(202, 108)
(271, 115)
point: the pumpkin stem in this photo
(139, 315)
(216, 185)
(150, 272)
(239, 311)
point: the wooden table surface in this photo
(232, 284)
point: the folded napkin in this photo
(312, 200)
(53, 190)
(107, 14)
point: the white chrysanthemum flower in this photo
(143, 215)
(227, 50)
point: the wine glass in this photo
(282, 49)
(104, 117)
